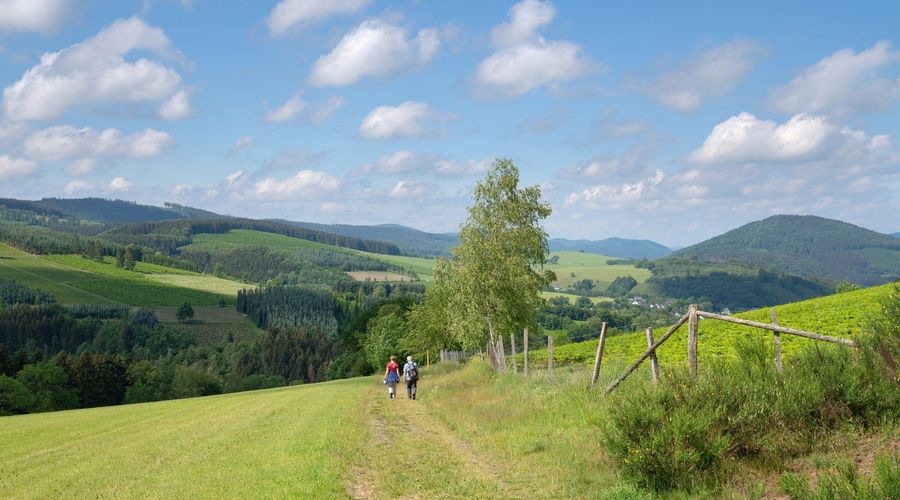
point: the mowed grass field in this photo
(75, 280)
(590, 266)
(841, 315)
(288, 442)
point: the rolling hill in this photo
(411, 241)
(807, 246)
(104, 210)
(614, 247)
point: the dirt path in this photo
(411, 453)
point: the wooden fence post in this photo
(525, 351)
(599, 357)
(777, 341)
(501, 354)
(549, 356)
(654, 364)
(512, 347)
(427, 359)
(692, 339)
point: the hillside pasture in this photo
(572, 298)
(377, 276)
(841, 315)
(419, 265)
(590, 266)
(75, 280)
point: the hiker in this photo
(411, 371)
(392, 376)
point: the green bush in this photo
(14, 396)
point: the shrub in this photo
(844, 481)
(14, 396)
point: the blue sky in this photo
(671, 121)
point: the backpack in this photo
(413, 372)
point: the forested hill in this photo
(896, 235)
(410, 241)
(808, 246)
(169, 235)
(614, 247)
(112, 211)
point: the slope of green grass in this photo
(840, 315)
(419, 265)
(282, 443)
(245, 237)
(590, 266)
(73, 279)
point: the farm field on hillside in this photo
(419, 265)
(377, 276)
(73, 279)
(572, 298)
(839, 315)
(245, 237)
(590, 266)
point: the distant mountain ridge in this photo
(410, 241)
(614, 247)
(106, 210)
(808, 246)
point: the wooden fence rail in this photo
(693, 332)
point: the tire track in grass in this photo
(411, 453)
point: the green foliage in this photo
(620, 286)
(491, 285)
(184, 312)
(49, 385)
(846, 286)
(807, 246)
(290, 306)
(680, 434)
(845, 481)
(13, 292)
(384, 334)
(15, 398)
(254, 382)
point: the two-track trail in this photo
(409, 452)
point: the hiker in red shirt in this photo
(392, 376)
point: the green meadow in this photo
(73, 279)
(576, 266)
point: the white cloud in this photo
(410, 118)
(176, 107)
(746, 139)
(614, 196)
(397, 162)
(66, 142)
(843, 82)
(95, 70)
(524, 20)
(41, 16)
(407, 189)
(524, 60)
(244, 142)
(234, 176)
(289, 14)
(711, 73)
(471, 167)
(78, 187)
(15, 167)
(81, 166)
(307, 183)
(374, 48)
(635, 160)
(315, 112)
(183, 189)
(120, 184)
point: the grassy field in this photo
(377, 276)
(419, 265)
(840, 315)
(584, 265)
(245, 237)
(572, 298)
(73, 279)
(286, 442)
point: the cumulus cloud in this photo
(307, 183)
(524, 60)
(78, 187)
(747, 139)
(525, 18)
(241, 144)
(11, 168)
(120, 184)
(66, 142)
(81, 166)
(374, 49)
(295, 14)
(95, 70)
(296, 106)
(397, 162)
(614, 196)
(408, 189)
(40, 16)
(843, 82)
(635, 161)
(713, 72)
(410, 118)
